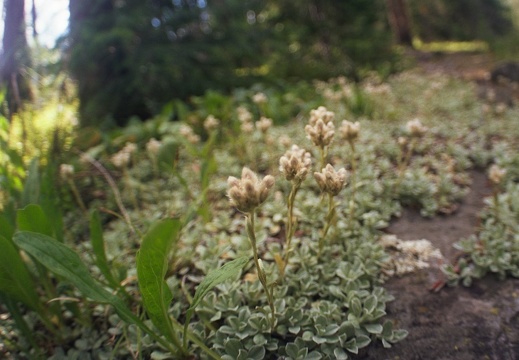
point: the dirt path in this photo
(480, 322)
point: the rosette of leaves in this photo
(324, 311)
(495, 249)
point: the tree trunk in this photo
(15, 56)
(399, 20)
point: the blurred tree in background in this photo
(131, 57)
(15, 57)
(463, 20)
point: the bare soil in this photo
(479, 322)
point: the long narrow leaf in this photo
(33, 218)
(63, 261)
(31, 189)
(98, 246)
(152, 265)
(214, 278)
(15, 280)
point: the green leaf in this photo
(64, 262)
(152, 265)
(256, 352)
(98, 246)
(363, 341)
(374, 328)
(314, 355)
(50, 202)
(6, 229)
(31, 189)
(33, 218)
(340, 354)
(233, 347)
(292, 349)
(370, 303)
(15, 280)
(214, 278)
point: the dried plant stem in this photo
(261, 273)
(404, 162)
(329, 220)
(115, 190)
(77, 196)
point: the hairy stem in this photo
(261, 273)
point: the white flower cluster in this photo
(187, 132)
(247, 193)
(263, 124)
(153, 146)
(349, 131)
(295, 164)
(66, 171)
(121, 158)
(496, 174)
(259, 98)
(331, 181)
(408, 256)
(211, 123)
(416, 128)
(320, 129)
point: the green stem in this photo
(324, 154)
(496, 202)
(329, 220)
(261, 273)
(290, 229)
(196, 341)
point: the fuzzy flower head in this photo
(263, 124)
(247, 193)
(295, 164)
(331, 181)
(285, 140)
(402, 141)
(188, 133)
(496, 174)
(153, 146)
(66, 171)
(247, 127)
(321, 134)
(349, 131)
(129, 148)
(244, 115)
(259, 98)
(416, 128)
(121, 159)
(321, 113)
(211, 123)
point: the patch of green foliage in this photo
(144, 274)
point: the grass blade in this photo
(98, 246)
(15, 280)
